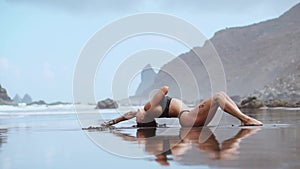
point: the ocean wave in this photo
(20, 111)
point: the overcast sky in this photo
(41, 40)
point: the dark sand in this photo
(57, 141)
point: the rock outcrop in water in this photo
(107, 104)
(17, 99)
(40, 102)
(250, 102)
(4, 98)
(27, 99)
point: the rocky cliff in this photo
(281, 89)
(4, 98)
(147, 78)
(253, 56)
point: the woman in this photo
(161, 106)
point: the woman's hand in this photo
(108, 123)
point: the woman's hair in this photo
(149, 124)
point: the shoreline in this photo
(71, 108)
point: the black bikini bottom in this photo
(180, 113)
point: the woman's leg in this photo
(203, 114)
(230, 147)
(156, 98)
(151, 109)
(228, 105)
(200, 115)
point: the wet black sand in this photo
(57, 141)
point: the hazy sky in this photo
(41, 40)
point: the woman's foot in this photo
(251, 122)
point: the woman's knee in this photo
(223, 93)
(165, 89)
(220, 96)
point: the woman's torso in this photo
(176, 106)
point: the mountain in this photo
(4, 98)
(253, 56)
(147, 78)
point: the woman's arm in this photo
(126, 116)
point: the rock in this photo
(251, 102)
(40, 102)
(27, 99)
(4, 98)
(247, 100)
(3, 94)
(281, 103)
(277, 103)
(282, 92)
(107, 104)
(147, 78)
(17, 99)
(58, 103)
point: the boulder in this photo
(251, 102)
(107, 104)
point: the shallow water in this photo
(55, 140)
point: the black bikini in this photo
(181, 112)
(165, 104)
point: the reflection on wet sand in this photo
(188, 145)
(3, 137)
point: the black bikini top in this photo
(165, 104)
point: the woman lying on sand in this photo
(162, 106)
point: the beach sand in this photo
(55, 140)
